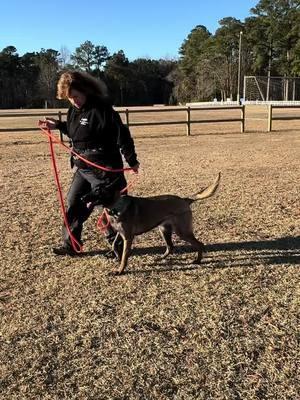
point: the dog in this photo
(131, 216)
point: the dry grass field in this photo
(167, 329)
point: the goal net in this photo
(261, 89)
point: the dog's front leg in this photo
(114, 245)
(126, 250)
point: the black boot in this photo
(65, 251)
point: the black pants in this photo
(85, 180)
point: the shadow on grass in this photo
(285, 243)
(279, 251)
(223, 255)
(296, 130)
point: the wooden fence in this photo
(272, 118)
(57, 114)
(188, 121)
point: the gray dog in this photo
(131, 216)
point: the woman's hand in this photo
(48, 123)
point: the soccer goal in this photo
(264, 89)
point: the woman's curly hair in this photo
(81, 81)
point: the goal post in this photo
(262, 89)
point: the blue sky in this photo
(152, 29)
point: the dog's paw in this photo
(116, 272)
(197, 261)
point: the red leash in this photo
(75, 244)
(100, 224)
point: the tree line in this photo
(266, 43)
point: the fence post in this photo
(127, 117)
(270, 118)
(243, 119)
(188, 121)
(60, 132)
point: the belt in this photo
(88, 150)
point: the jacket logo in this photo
(84, 121)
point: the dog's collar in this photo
(119, 207)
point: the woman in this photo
(96, 133)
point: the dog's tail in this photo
(207, 192)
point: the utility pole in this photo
(239, 69)
(269, 71)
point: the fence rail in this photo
(39, 114)
(57, 114)
(272, 118)
(188, 121)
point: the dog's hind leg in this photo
(198, 246)
(183, 226)
(166, 233)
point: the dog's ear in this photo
(99, 197)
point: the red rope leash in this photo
(75, 244)
(100, 224)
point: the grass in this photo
(168, 329)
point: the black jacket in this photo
(98, 126)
